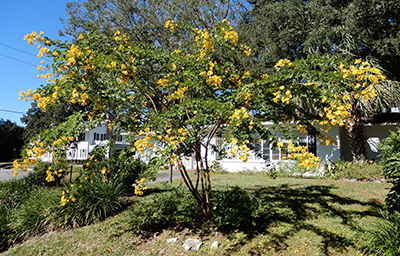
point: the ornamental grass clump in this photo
(35, 214)
(88, 201)
(385, 238)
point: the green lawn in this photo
(307, 217)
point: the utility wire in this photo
(12, 87)
(18, 50)
(18, 60)
(12, 111)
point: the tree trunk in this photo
(202, 193)
(356, 134)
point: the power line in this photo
(12, 111)
(18, 50)
(11, 87)
(18, 60)
(20, 101)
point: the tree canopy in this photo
(176, 101)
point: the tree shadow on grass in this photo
(298, 208)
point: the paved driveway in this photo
(8, 174)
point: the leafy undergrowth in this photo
(305, 217)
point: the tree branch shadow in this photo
(298, 206)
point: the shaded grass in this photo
(308, 217)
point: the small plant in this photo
(385, 238)
(366, 170)
(292, 168)
(390, 148)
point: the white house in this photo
(375, 130)
(88, 140)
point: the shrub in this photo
(122, 168)
(366, 170)
(390, 148)
(236, 208)
(385, 238)
(167, 209)
(231, 209)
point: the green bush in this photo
(58, 171)
(390, 148)
(385, 238)
(366, 170)
(236, 208)
(122, 168)
(167, 209)
(230, 209)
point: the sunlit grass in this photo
(308, 217)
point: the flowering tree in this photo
(192, 95)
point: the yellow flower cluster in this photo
(64, 197)
(327, 141)
(281, 63)
(239, 115)
(365, 78)
(232, 36)
(140, 188)
(285, 97)
(51, 174)
(237, 80)
(247, 50)
(37, 37)
(179, 93)
(242, 151)
(171, 25)
(335, 113)
(206, 42)
(306, 159)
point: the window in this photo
(120, 138)
(81, 137)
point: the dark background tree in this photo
(291, 29)
(11, 141)
(36, 120)
(144, 21)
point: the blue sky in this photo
(18, 67)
